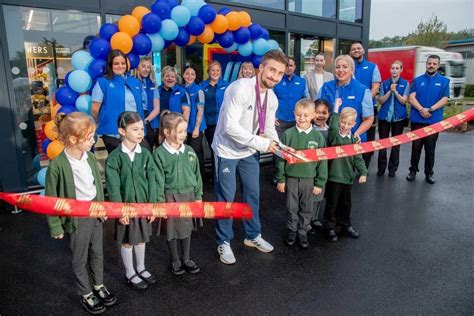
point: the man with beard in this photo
(368, 74)
(428, 96)
(245, 127)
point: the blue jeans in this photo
(225, 186)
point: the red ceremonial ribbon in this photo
(74, 208)
(328, 153)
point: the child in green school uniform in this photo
(130, 174)
(301, 181)
(178, 165)
(342, 174)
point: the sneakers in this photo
(92, 304)
(225, 253)
(259, 243)
(107, 298)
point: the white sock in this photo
(86, 295)
(140, 257)
(127, 258)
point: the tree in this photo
(431, 33)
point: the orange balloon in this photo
(54, 149)
(245, 19)
(122, 41)
(219, 25)
(207, 36)
(233, 20)
(129, 24)
(50, 130)
(192, 39)
(139, 12)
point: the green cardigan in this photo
(129, 181)
(317, 170)
(60, 183)
(178, 173)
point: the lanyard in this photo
(261, 109)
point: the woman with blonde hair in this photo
(172, 95)
(246, 70)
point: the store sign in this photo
(45, 50)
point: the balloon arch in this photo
(151, 30)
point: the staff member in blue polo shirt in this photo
(428, 96)
(369, 75)
(290, 90)
(172, 96)
(214, 88)
(351, 93)
(392, 115)
(112, 94)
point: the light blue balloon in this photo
(272, 44)
(41, 176)
(245, 49)
(81, 59)
(232, 48)
(169, 29)
(79, 81)
(84, 104)
(157, 42)
(260, 46)
(181, 15)
(193, 6)
(42, 192)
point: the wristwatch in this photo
(430, 110)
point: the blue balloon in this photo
(66, 109)
(245, 49)
(242, 35)
(157, 42)
(172, 3)
(45, 144)
(168, 43)
(231, 48)
(260, 46)
(66, 77)
(66, 96)
(99, 48)
(162, 9)
(134, 60)
(272, 44)
(223, 11)
(151, 23)
(84, 104)
(36, 162)
(81, 59)
(195, 26)
(169, 30)
(97, 68)
(226, 39)
(80, 81)
(193, 6)
(41, 176)
(107, 30)
(141, 44)
(207, 13)
(256, 60)
(181, 15)
(256, 31)
(183, 37)
(265, 33)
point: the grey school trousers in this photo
(299, 203)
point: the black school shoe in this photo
(303, 242)
(92, 304)
(150, 280)
(177, 269)
(191, 267)
(331, 235)
(107, 298)
(142, 285)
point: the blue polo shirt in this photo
(392, 110)
(429, 90)
(367, 73)
(289, 91)
(172, 99)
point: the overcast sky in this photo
(400, 17)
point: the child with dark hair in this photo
(130, 175)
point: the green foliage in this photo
(469, 92)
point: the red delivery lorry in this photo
(414, 60)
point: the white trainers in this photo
(259, 243)
(225, 253)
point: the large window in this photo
(324, 8)
(274, 4)
(40, 44)
(305, 48)
(350, 10)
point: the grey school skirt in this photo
(179, 228)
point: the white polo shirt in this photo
(83, 178)
(236, 134)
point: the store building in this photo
(38, 38)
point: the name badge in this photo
(222, 88)
(401, 86)
(207, 89)
(137, 88)
(297, 83)
(366, 67)
(192, 94)
(177, 93)
(111, 85)
(351, 97)
(152, 88)
(437, 84)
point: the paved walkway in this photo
(415, 255)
